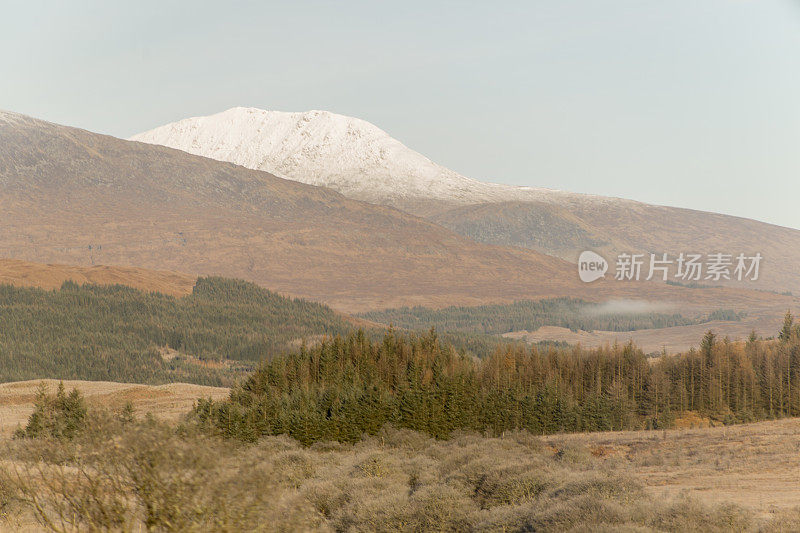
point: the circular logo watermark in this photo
(591, 266)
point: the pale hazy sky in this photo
(693, 103)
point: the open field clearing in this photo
(755, 466)
(672, 339)
(167, 402)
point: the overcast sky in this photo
(692, 103)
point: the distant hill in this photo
(566, 230)
(213, 335)
(531, 315)
(364, 162)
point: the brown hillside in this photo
(624, 226)
(72, 196)
(27, 274)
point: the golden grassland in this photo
(168, 402)
(741, 478)
(27, 274)
(673, 339)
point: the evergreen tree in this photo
(786, 330)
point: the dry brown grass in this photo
(167, 402)
(27, 274)
(765, 321)
(755, 466)
(403, 481)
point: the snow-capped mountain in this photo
(347, 154)
(363, 162)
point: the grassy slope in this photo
(27, 274)
(75, 197)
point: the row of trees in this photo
(531, 315)
(350, 386)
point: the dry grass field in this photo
(167, 402)
(27, 274)
(734, 478)
(674, 339)
(755, 466)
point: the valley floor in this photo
(674, 339)
(755, 466)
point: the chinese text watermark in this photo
(684, 266)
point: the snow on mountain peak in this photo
(322, 148)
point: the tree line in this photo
(530, 315)
(350, 386)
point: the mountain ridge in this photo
(344, 153)
(362, 161)
(74, 197)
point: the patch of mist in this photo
(629, 307)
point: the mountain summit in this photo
(344, 153)
(363, 162)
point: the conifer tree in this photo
(786, 330)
